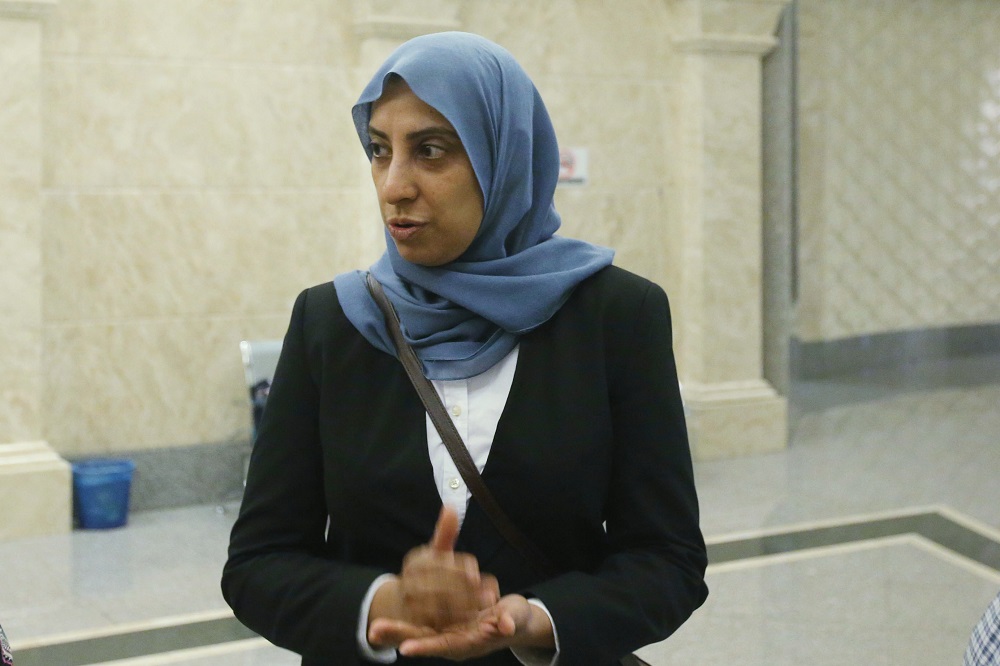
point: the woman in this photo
(356, 540)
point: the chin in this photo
(423, 258)
(427, 263)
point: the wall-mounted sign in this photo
(573, 166)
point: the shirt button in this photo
(454, 484)
(456, 410)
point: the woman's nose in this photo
(398, 184)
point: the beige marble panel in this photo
(19, 124)
(735, 418)
(277, 31)
(20, 41)
(20, 257)
(721, 336)
(578, 38)
(20, 390)
(122, 124)
(147, 384)
(900, 208)
(381, 25)
(125, 256)
(732, 108)
(20, 268)
(430, 9)
(621, 123)
(632, 222)
(35, 491)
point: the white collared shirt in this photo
(482, 397)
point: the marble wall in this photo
(196, 167)
(199, 168)
(899, 166)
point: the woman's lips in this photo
(403, 229)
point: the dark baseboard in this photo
(831, 358)
(187, 475)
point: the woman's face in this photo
(427, 191)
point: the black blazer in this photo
(592, 433)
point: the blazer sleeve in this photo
(652, 576)
(282, 578)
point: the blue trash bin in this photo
(101, 492)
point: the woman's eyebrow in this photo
(437, 130)
(416, 135)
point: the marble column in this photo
(732, 409)
(35, 483)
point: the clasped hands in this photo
(442, 605)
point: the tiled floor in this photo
(873, 539)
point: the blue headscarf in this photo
(465, 316)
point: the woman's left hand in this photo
(512, 622)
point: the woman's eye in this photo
(378, 150)
(431, 152)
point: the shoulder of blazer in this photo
(616, 281)
(614, 292)
(324, 328)
(321, 303)
(322, 318)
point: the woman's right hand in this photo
(436, 588)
